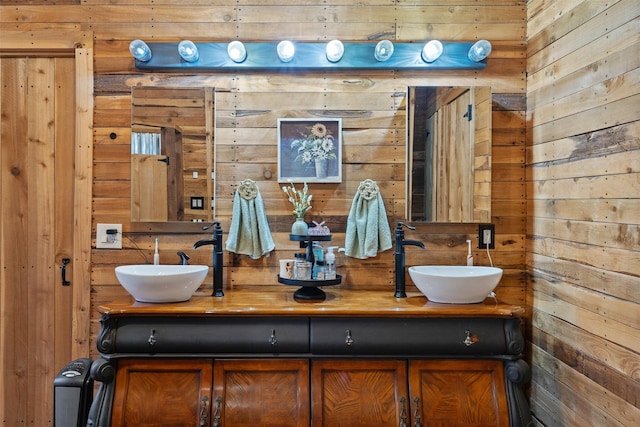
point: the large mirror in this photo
(449, 154)
(172, 154)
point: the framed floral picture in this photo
(310, 150)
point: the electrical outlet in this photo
(486, 236)
(109, 236)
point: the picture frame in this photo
(310, 150)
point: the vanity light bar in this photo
(214, 57)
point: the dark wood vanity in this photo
(359, 358)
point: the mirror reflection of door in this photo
(450, 154)
(157, 191)
(452, 188)
(148, 188)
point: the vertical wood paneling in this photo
(40, 196)
(14, 205)
(583, 250)
(45, 99)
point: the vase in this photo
(300, 227)
(321, 168)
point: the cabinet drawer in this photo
(409, 336)
(214, 335)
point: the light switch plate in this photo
(106, 238)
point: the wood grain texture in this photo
(357, 394)
(280, 301)
(167, 392)
(460, 393)
(583, 220)
(371, 103)
(262, 392)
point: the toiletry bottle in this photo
(156, 255)
(330, 264)
(319, 270)
(302, 269)
(469, 256)
(318, 252)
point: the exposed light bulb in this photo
(432, 51)
(140, 50)
(286, 51)
(383, 51)
(479, 51)
(236, 50)
(188, 51)
(334, 50)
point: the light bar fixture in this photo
(188, 51)
(237, 56)
(236, 51)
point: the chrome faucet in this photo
(399, 257)
(216, 241)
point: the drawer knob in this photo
(152, 337)
(348, 340)
(272, 339)
(470, 340)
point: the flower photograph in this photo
(310, 150)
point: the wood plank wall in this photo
(373, 106)
(583, 219)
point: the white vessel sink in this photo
(455, 284)
(161, 283)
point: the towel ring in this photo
(248, 189)
(368, 189)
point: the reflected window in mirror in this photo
(449, 154)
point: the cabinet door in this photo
(469, 393)
(168, 393)
(358, 393)
(261, 392)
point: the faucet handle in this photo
(184, 258)
(214, 223)
(401, 224)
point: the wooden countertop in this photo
(280, 302)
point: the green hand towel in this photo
(368, 231)
(249, 233)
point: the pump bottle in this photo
(330, 264)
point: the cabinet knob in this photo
(348, 340)
(272, 339)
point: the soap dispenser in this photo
(330, 264)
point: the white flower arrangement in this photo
(318, 144)
(300, 199)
